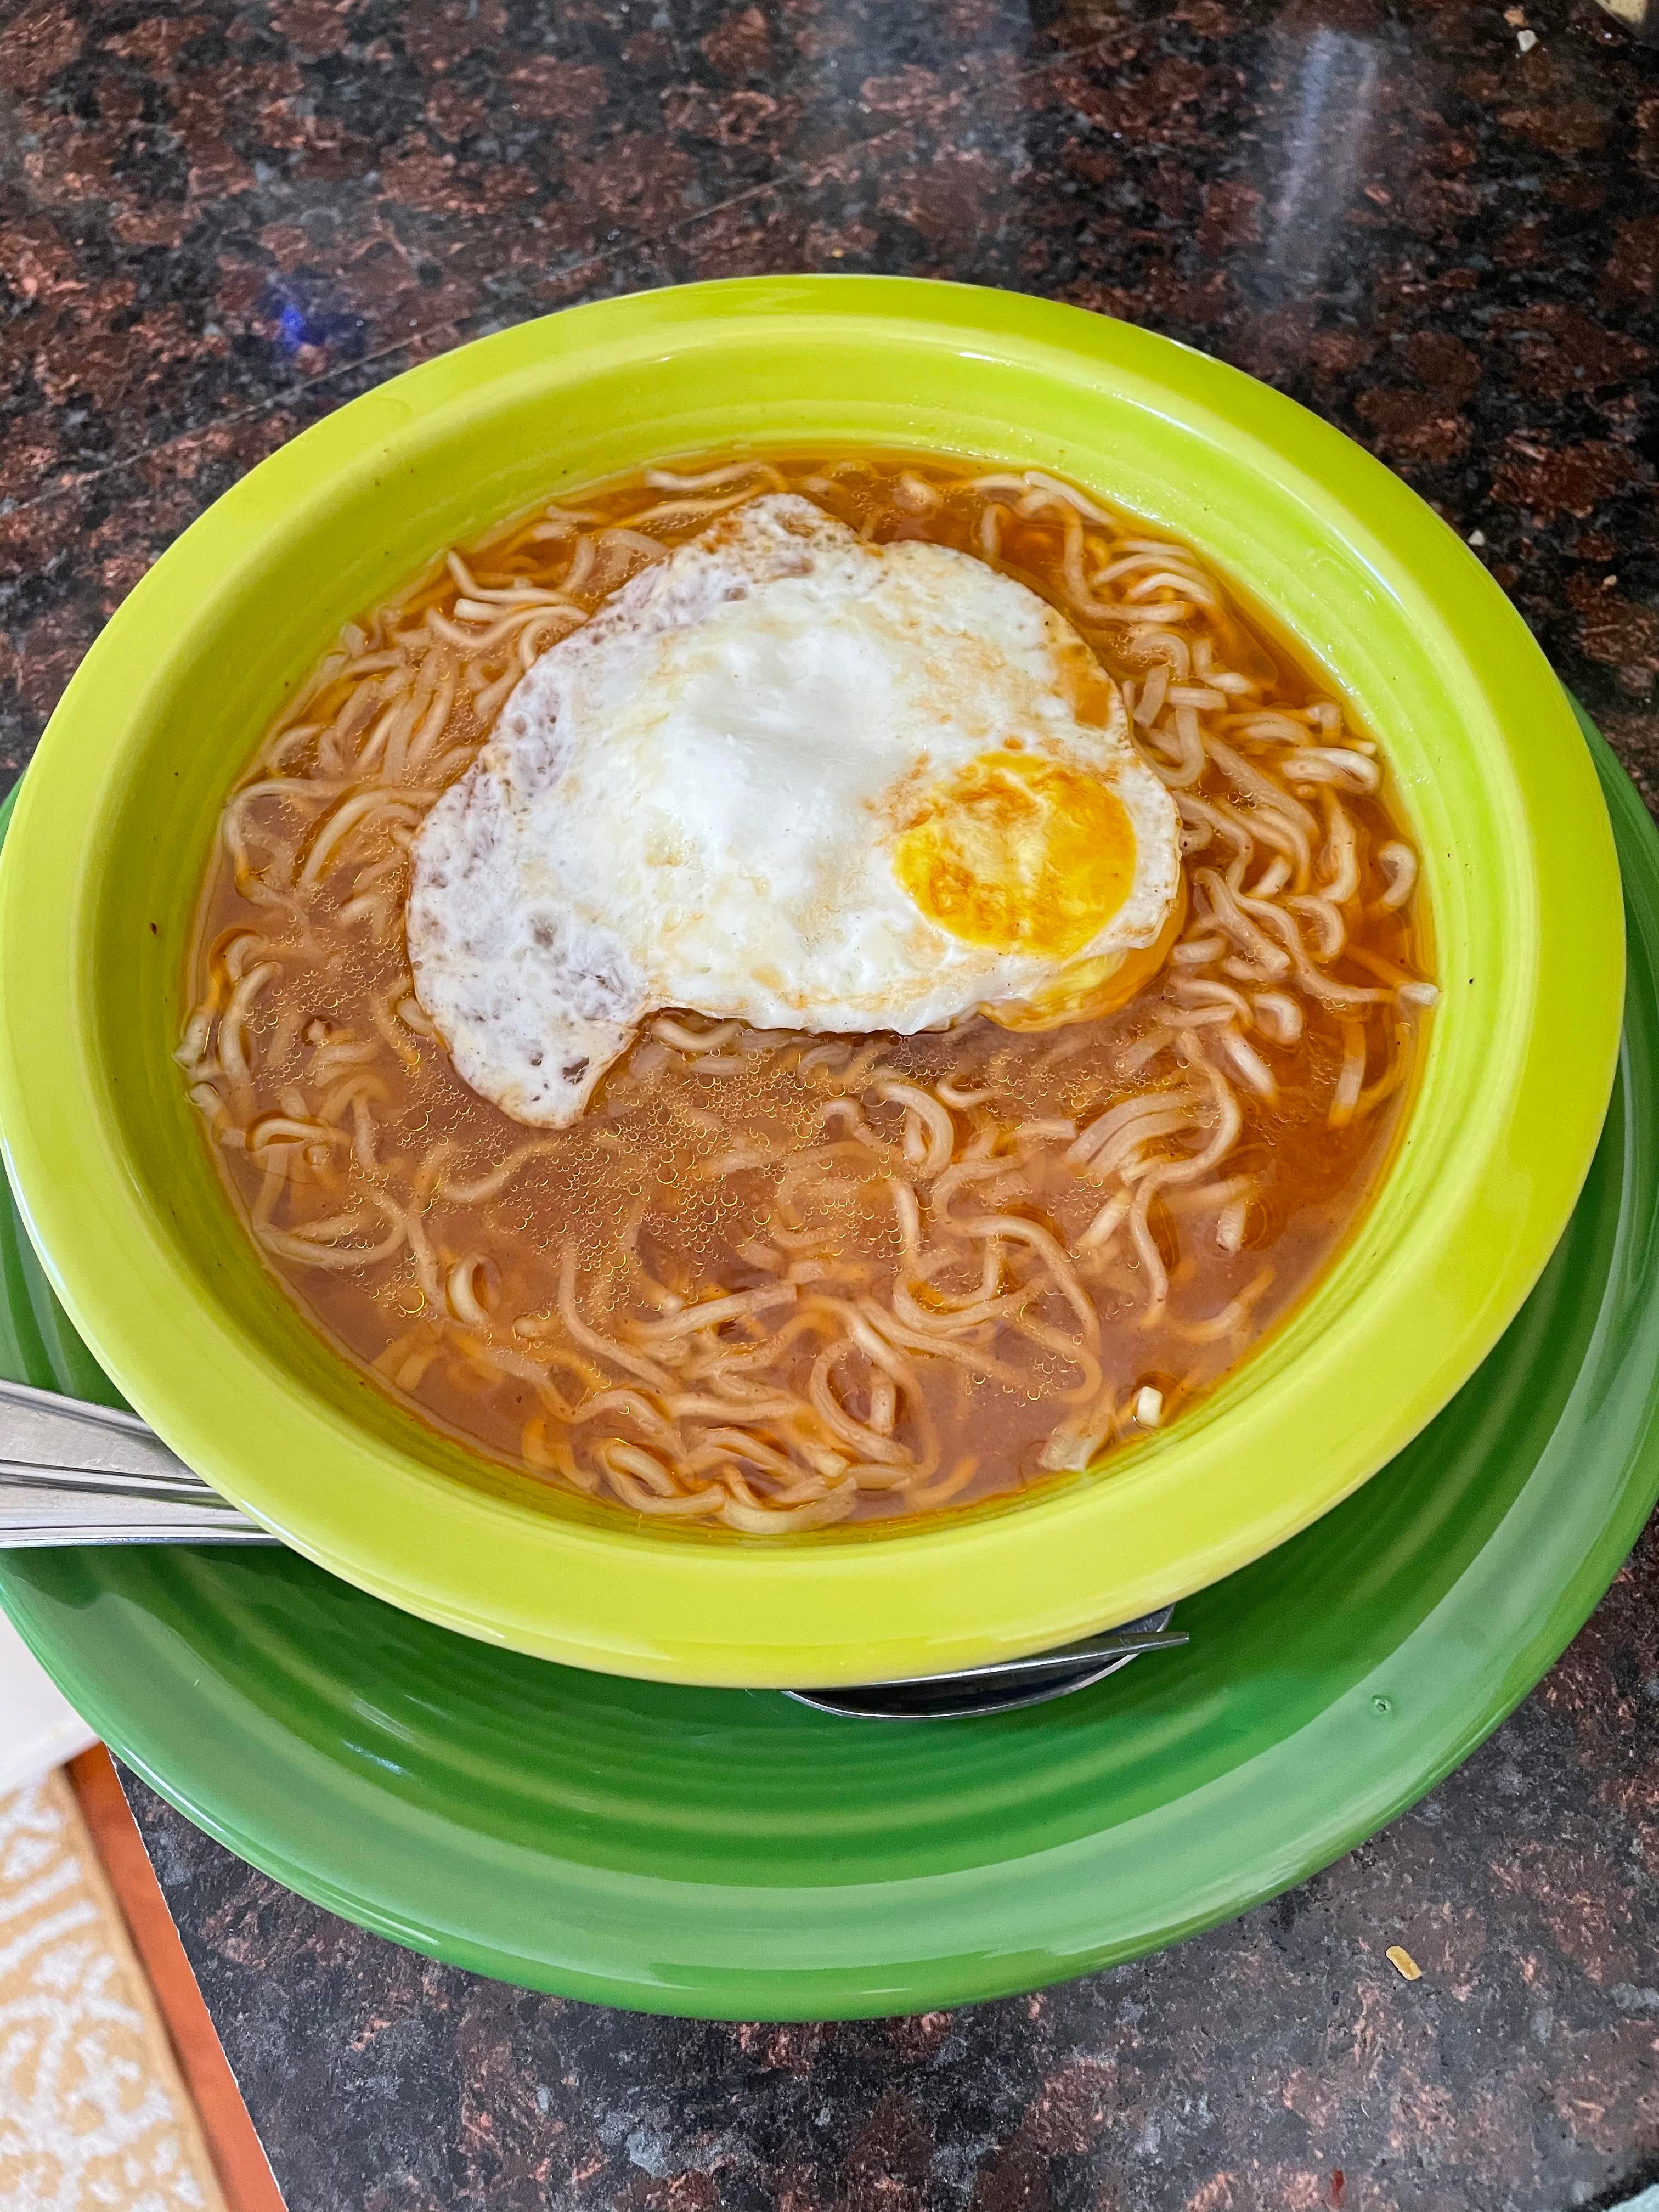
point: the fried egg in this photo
(789, 777)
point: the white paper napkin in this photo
(38, 1728)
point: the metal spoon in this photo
(1001, 1686)
(71, 1473)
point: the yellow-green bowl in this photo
(101, 868)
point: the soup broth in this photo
(771, 1280)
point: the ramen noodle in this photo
(773, 1279)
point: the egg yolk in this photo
(1018, 853)
(1086, 989)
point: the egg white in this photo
(692, 802)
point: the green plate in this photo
(728, 1853)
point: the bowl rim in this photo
(1071, 1557)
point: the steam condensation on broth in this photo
(774, 1280)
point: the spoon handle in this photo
(33, 1515)
(71, 1473)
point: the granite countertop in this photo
(1437, 225)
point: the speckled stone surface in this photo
(1276, 2065)
(217, 221)
(1439, 225)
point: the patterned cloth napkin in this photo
(93, 2117)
